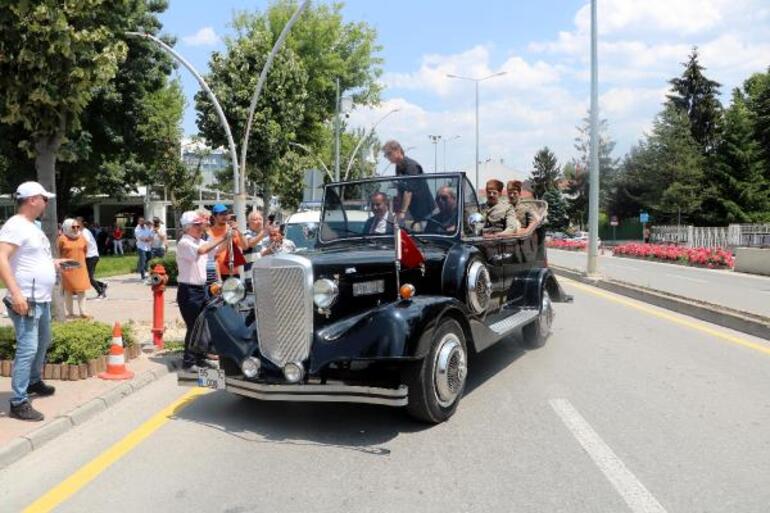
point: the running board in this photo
(512, 322)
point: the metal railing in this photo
(732, 236)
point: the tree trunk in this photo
(46, 149)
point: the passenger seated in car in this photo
(382, 221)
(445, 220)
(500, 216)
(524, 214)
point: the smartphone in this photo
(69, 264)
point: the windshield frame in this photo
(460, 206)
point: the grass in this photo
(111, 265)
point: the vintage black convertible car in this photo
(349, 321)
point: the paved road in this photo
(628, 408)
(740, 291)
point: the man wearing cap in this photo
(29, 274)
(220, 227)
(525, 215)
(500, 216)
(191, 257)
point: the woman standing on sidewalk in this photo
(191, 257)
(72, 246)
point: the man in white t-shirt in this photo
(143, 235)
(92, 258)
(29, 273)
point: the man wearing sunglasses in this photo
(29, 274)
(445, 220)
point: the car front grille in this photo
(284, 307)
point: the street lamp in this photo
(342, 104)
(316, 157)
(477, 80)
(593, 175)
(445, 141)
(435, 139)
(365, 137)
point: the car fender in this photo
(533, 281)
(453, 274)
(390, 331)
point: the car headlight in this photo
(250, 367)
(325, 293)
(233, 291)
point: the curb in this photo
(750, 324)
(23, 445)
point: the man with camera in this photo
(29, 273)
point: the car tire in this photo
(536, 332)
(436, 383)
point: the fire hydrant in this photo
(158, 280)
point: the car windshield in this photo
(301, 234)
(423, 204)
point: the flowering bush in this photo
(569, 245)
(712, 258)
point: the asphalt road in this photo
(628, 408)
(740, 291)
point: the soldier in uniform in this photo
(500, 216)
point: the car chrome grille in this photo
(284, 307)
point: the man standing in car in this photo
(414, 197)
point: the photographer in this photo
(159, 242)
(277, 244)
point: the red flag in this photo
(238, 258)
(407, 251)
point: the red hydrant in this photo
(158, 280)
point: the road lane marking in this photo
(696, 280)
(87, 473)
(638, 498)
(692, 324)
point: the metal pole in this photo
(445, 155)
(593, 194)
(212, 97)
(240, 190)
(364, 138)
(477, 135)
(337, 135)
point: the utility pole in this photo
(337, 135)
(593, 176)
(435, 139)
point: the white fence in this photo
(744, 235)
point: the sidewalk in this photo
(75, 401)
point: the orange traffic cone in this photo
(116, 361)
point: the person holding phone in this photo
(73, 247)
(29, 273)
(159, 242)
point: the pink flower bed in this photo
(569, 245)
(712, 258)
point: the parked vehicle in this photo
(363, 317)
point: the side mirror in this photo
(476, 222)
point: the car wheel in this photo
(436, 384)
(536, 332)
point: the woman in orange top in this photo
(73, 246)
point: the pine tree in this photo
(558, 219)
(757, 89)
(696, 96)
(545, 172)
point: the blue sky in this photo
(543, 47)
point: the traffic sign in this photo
(614, 221)
(644, 217)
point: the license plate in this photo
(211, 378)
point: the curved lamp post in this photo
(212, 97)
(310, 152)
(365, 137)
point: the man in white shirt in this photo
(191, 258)
(29, 273)
(92, 258)
(143, 235)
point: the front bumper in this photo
(330, 392)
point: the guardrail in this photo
(732, 236)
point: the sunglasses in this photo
(443, 198)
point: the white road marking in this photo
(638, 498)
(623, 266)
(696, 280)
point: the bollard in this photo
(158, 280)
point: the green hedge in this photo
(169, 262)
(72, 342)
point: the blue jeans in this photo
(144, 257)
(33, 336)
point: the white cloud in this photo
(204, 37)
(681, 16)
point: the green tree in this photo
(558, 218)
(298, 100)
(740, 193)
(545, 173)
(54, 56)
(696, 95)
(757, 89)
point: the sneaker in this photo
(25, 411)
(41, 389)
(103, 293)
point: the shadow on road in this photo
(357, 427)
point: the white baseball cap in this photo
(29, 189)
(191, 217)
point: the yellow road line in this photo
(692, 324)
(96, 466)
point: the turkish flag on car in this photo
(238, 258)
(407, 251)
